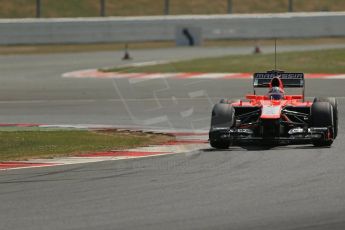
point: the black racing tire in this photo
(224, 101)
(322, 116)
(333, 101)
(222, 117)
(228, 101)
(219, 144)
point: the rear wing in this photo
(289, 80)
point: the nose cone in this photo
(271, 111)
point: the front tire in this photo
(219, 144)
(334, 104)
(222, 119)
(322, 116)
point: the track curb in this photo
(185, 142)
(137, 77)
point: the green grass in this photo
(325, 61)
(20, 145)
(73, 48)
(90, 8)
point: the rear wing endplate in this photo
(289, 80)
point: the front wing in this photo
(298, 136)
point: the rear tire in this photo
(322, 116)
(224, 101)
(334, 104)
(222, 119)
(228, 101)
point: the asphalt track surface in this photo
(293, 187)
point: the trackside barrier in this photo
(161, 28)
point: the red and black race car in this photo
(274, 118)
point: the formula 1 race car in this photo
(275, 118)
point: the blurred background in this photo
(94, 8)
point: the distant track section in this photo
(155, 28)
(138, 77)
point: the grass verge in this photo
(324, 61)
(79, 48)
(73, 48)
(22, 145)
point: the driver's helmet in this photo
(275, 93)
